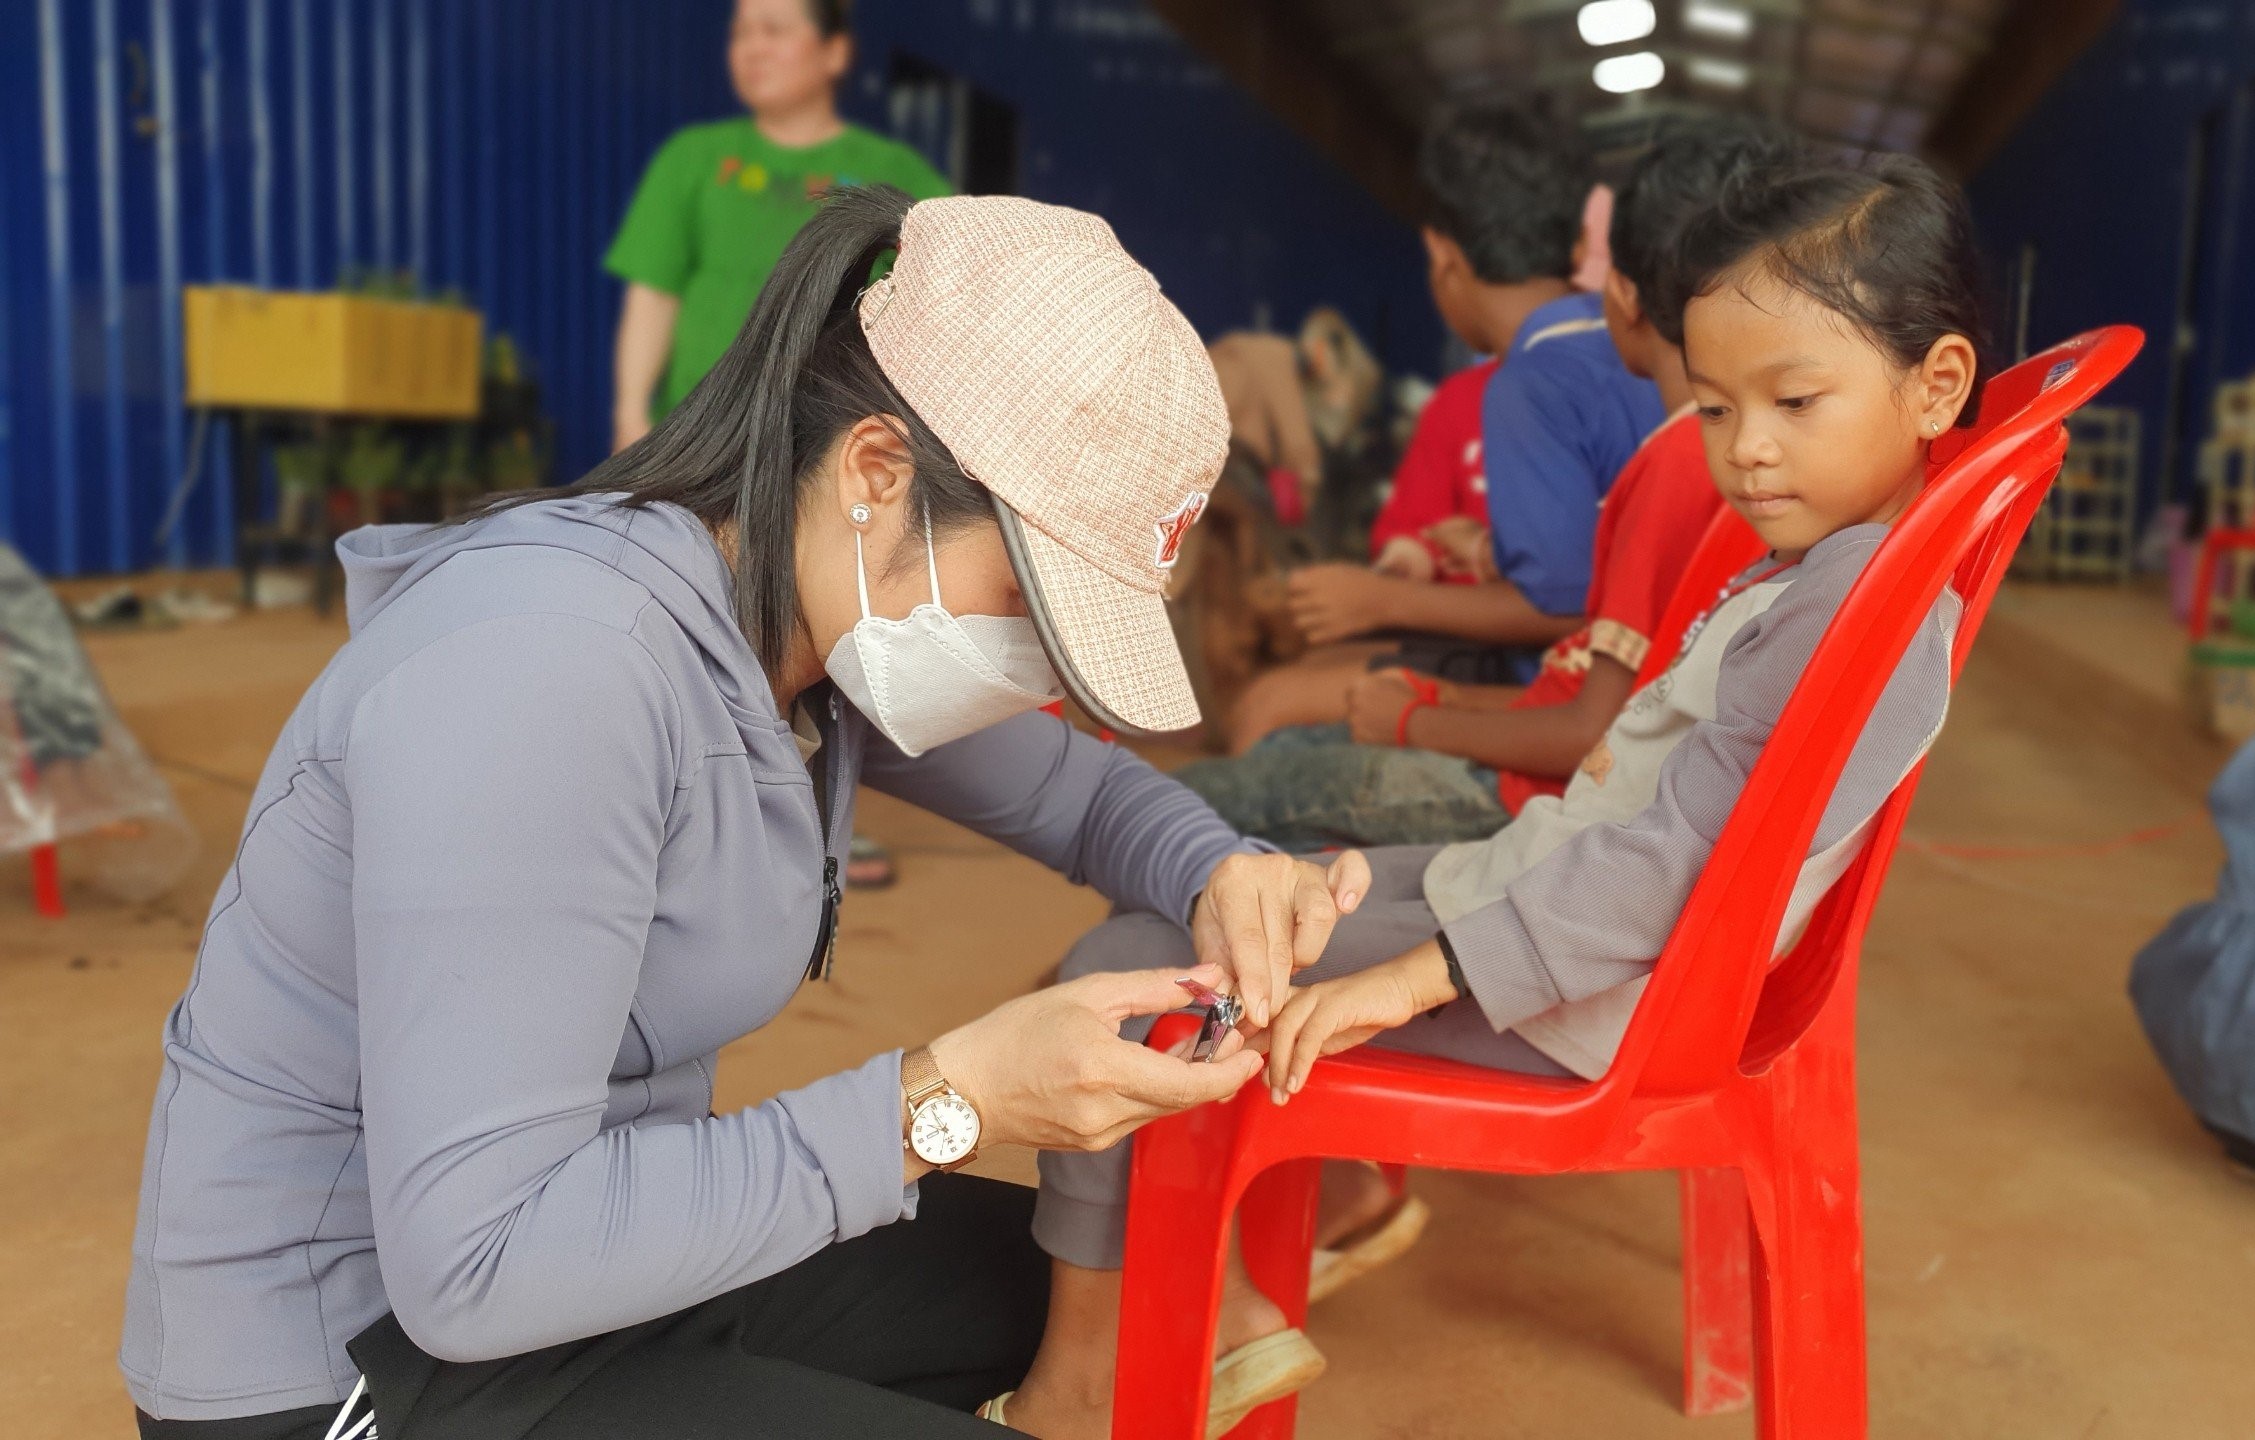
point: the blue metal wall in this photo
(2097, 179)
(489, 146)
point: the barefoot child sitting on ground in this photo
(1832, 334)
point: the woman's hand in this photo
(1341, 1014)
(1262, 917)
(1051, 1071)
(1338, 601)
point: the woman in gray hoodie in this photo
(565, 816)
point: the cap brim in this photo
(1110, 643)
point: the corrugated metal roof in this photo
(1864, 74)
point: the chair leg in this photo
(1276, 1230)
(1718, 1293)
(1170, 1293)
(1809, 1380)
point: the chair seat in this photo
(1400, 1109)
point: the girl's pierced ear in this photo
(860, 514)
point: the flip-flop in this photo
(1254, 1374)
(1379, 1244)
(1245, 1379)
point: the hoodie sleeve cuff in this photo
(850, 1121)
(1497, 956)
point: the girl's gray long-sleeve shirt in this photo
(1558, 919)
(534, 846)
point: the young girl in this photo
(1832, 334)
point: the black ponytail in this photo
(742, 447)
(1888, 245)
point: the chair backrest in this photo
(1729, 546)
(1715, 1004)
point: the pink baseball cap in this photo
(1062, 380)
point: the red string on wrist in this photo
(1425, 693)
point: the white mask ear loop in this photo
(931, 558)
(931, 566)
(860, 575)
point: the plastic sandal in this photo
(1333, 1270)
(1254, 1374)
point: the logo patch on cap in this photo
(1174, 527)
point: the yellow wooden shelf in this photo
(334, 353)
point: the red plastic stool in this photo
(46, 864)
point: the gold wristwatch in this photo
(942, 1129)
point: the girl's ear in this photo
(1945, 383)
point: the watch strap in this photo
(1462, 986)
(920, 1077)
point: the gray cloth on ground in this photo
(56, 699)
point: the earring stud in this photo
(860, 514)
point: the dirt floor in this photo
(2055, 1250)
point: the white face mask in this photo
(936, 677)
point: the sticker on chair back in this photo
(2059, 372)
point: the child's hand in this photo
(1404, 559)
(1338, 601)
(1465, 547)
(1374, 706)
(1341, 1014)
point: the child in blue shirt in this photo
(1558, 420)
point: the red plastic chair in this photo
(2213, 546)
(1737, 1071)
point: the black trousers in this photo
(899, 1333)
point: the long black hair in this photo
(743, 447)
(1888, 245)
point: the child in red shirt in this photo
(1650, 523)
(1440, 478)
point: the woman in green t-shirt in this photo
(720, 201)
(718, 204)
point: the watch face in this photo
(945, 1130)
